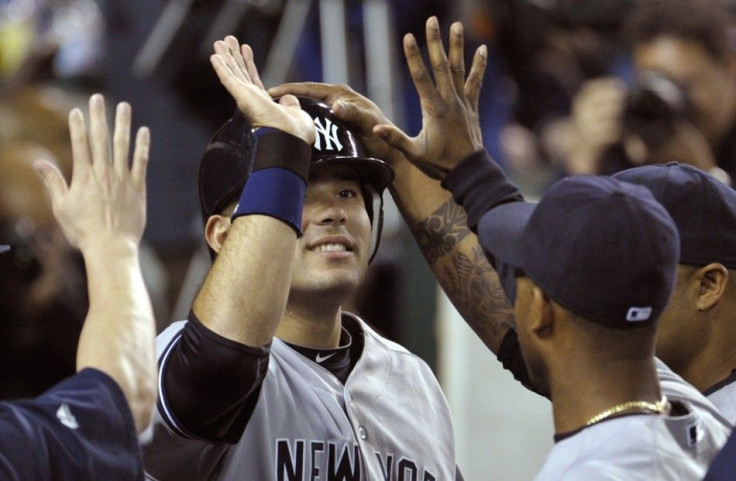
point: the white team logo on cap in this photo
(637, 314)
(328, 133)
(66, 417)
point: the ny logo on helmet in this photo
(328, 132)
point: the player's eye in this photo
(347, 194)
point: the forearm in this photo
(119, 332)
(440, 229)
(244, 295)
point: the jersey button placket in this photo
(361, 432)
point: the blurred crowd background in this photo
(572, 87)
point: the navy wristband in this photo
(275, 192)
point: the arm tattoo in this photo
(468, 279)
(444, 229)
(475, 290)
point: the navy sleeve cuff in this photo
(478, 184)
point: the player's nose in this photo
(331, 212)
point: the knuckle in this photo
(476, 82)
(458, 71)
(442, 66)
(419, 75)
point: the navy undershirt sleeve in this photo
(479, 184)
(211, 384)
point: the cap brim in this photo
(373, 171)
(500, 232)
(4, 248)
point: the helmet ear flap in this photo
(368, 195)
(374, 206)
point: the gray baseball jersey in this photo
(676, 388)
(723, 395)
(390, 421)
(644, 447)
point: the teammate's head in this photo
(227, 162)
(704, 210)
(595, 251)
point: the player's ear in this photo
(713, 280)
(215, 231)
(544, 315)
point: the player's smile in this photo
(333, 246)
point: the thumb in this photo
(52, 179)
(397, 139)
(289, 100)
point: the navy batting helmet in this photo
(228, 160)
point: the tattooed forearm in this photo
(465, 274)
(439, 233)
(475, 290)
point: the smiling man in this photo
(269, 379)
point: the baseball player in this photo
(269, 379)
(447, 120)
(696, 332)
(84, 428)
(590, 269)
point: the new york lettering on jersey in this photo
(320, 460)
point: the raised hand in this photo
(237, 71)
(106, 201)
(450, 125)
(103, 213)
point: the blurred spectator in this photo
(42, 283)
(49, 52)
(682, 103)
(545, 51)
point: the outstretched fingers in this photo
(228, 64)
(250, 66)
(121, 139)
(443, 75)
(233, 50)
(417, 69)
(82, 158)
(457, 56)
(140, 158)
(474, 81)
(99, 140)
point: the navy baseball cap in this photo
(4, 248)
(703, 208)
(603, 249)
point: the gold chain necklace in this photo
(657, 408)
